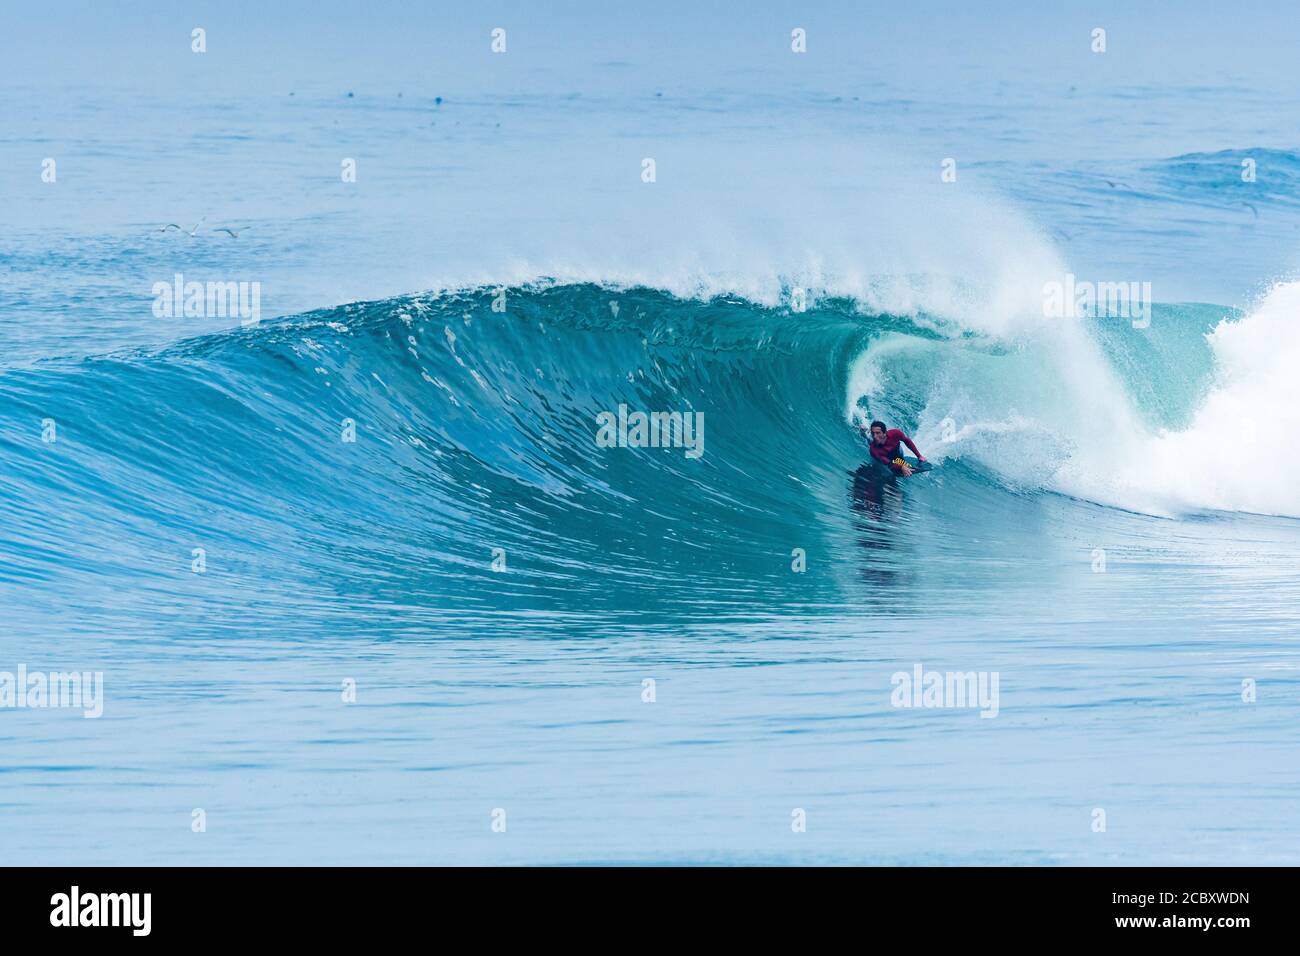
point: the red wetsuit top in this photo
(886, 453)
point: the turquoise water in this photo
(1110, 529)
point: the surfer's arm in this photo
(871, 446)
(912, 445)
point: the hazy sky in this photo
(662, 43)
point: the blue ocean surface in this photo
(366, 583)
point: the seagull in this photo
(230, 232)
(1250, 207)
(172, 225)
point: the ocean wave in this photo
(440, 431)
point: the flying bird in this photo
(172, 225)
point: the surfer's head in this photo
(877, 432)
